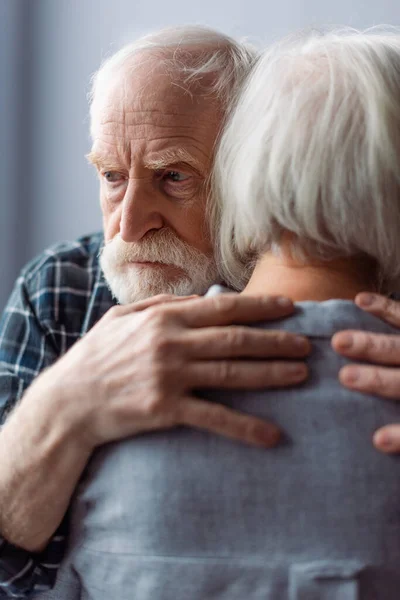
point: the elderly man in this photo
(156, 111)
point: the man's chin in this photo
(141, 288)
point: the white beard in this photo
(130, 283)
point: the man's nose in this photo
(139, 211)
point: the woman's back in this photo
(184, 514)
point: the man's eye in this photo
(175, 176)
(113, 176)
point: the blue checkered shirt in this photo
(59, 296)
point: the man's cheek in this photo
(111, 220)
(187, 192)
(111, 196)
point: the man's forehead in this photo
(158, 123)
(137, 121)
(151, 95)
(168, 99)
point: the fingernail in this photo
(351, 375)
(345, 340)
(383, 440)
(367, 299)
(282, 301)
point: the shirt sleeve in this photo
(26, 348)
(24, 574)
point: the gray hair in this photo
(313, 148)
(189, 52)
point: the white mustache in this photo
(198, 270)
(159, 247)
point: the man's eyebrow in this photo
(99, 160)
(171, 156)
(159, 160)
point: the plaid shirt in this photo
(59, 296)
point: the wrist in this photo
(41, 462)
(61, 415)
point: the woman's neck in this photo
(318, 281)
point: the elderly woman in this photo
(308, 182)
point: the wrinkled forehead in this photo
(147, 91)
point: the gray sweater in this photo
(187, 515)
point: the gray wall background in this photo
(48, 51)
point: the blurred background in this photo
(48, 51)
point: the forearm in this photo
(40, 464)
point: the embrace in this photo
(199, 402)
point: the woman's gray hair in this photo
(188, 53)
(313, 148)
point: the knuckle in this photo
(388, 306)
(115, 312)
(165, 377)
(154, 405)
(158, 372)
(384, 382)
(164, 347)
(367, 343)
(225, 304)
(390, 344)
(235, 337)
(377, 382)
(156, 317)
(373, 345)
(227, 373)
(389, 310)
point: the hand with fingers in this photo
(136, 369)
(382, 375)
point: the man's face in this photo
(153, 148)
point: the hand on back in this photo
(382, 375)
(136, 370)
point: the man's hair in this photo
(188, 53)
(313, 148)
